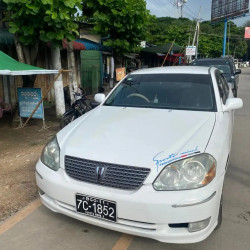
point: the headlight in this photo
(194, 172)
(51, 155)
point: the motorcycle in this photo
(77, 109)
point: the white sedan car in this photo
(150, 160)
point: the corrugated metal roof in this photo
(90, 45)
(76, 45)
(6, 38)
(163, 49)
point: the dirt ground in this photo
(19, 151)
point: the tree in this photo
(166, 29)
(122, 22)
(36, 21)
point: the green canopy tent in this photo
(9, 66)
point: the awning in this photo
(131, 56)
(172, 58)
(9, 66)
(162, 49)
(76, 45)
(85, 44)
(90, 45)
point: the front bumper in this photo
(143, 212)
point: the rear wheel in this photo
(235, 92)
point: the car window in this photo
(165, 91)
(225, 86)
(223, 90)
(222, 65)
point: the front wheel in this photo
(220, 214)
(235, 92)
(67, 119)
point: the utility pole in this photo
(225, 38)
(180, 4)
(197, 34)
(228, 40)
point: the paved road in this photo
(43, 229)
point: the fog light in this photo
(199, 225)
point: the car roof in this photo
(174, 70)
(214, 59)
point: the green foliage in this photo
(166, 29)
(47, 20)
(124, 22)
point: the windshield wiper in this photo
(129, 83)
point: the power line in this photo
(164, 4)
(190, 16)
(173, 3)
(234, 38)
(160, 6)
(190, 11)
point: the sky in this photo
(162, 8)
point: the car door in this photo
(225, 118)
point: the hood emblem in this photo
(99, 173)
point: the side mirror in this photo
(99, 98)
(238, 71)
(232, 104)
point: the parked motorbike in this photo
(78, 108)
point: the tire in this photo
(220, 214)
(67, 119)
(235, 92)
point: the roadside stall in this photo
(30, 100)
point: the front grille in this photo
(114, 175)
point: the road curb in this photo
(20, 215)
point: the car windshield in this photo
(222, 65)
(165, 91)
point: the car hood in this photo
(139, 137)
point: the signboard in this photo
(190, 50)
(28, 98)
(143, 44)
(247, 32)
(224, 9)
(120, 74)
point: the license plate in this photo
(96, 207)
